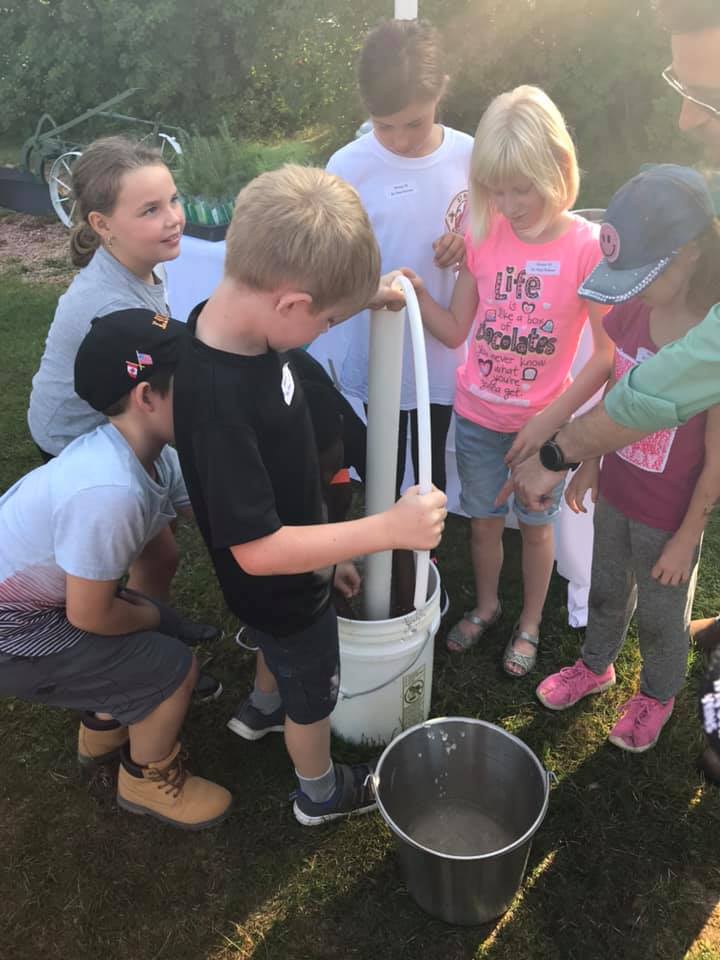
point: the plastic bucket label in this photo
(413, 710)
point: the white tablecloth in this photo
(193, 277)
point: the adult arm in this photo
(587, 437)
(681, 380)
(591, 377)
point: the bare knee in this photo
(153, 570)
(193, 672)
(188, 684)
(487, 529)
(163, 554)
(536, 536)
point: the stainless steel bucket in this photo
(464, 798)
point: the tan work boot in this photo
(705, 634)
(100, 741)
(167, 791)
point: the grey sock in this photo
(266, 703)
(319, 789)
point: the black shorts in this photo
(126, 676)
(306, 667)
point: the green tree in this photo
(274, 68)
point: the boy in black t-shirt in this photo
(300, 257)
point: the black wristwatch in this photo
(552, 457)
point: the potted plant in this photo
(212, 169)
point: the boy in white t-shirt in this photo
(69, 530)
(412, 176)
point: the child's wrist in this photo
(421, 292)
(684, 538)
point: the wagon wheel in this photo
(169, 147)
(60, 186)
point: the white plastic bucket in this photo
(386, 671)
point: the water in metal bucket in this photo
(464, 799)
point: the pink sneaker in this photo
(641, 722)
(563, 689)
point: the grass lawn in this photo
(625, 865)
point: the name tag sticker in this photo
(288, 384)
(543, 268)
(403, 189)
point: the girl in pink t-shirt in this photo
(526, 257)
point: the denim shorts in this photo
(306, 667)
(481, 467)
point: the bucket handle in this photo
(432, 630)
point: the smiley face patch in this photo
(609, 242)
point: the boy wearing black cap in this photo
(69, 637)
(661, 248)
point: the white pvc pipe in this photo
(384, 380)
(422, 395)
(406, 9)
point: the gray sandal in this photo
(461, 643)
(526, 661)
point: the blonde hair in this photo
(96, 180)
(303, 226)
(522, 133)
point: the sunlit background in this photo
(278, 69)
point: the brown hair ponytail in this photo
(96, 179)
(83, 244)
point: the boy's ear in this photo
(291, 300)
(143, 396)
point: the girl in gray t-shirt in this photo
(129, 219)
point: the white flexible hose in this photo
(422, 392)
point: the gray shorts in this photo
(126, 676)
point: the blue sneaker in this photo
(353, 795)
(251, 724)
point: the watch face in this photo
(551, 456)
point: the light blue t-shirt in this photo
(87, 513)
(57, 415)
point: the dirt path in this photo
(36, 246)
